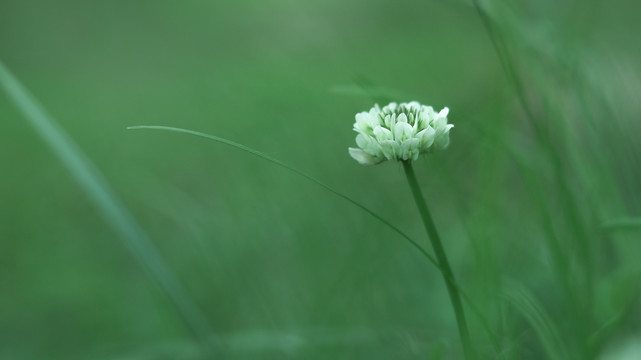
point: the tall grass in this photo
(574, 240)
(107, 203)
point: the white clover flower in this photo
(399, 132)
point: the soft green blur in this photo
(537, 200)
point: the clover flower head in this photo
(399, 132)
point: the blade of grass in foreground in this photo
(493, 337)
(106, 201)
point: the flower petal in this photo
(363, 140)
(363, 157)
(442, 139)
(363, 123)
(382, 134)
(403, 131)
(390, 149)
(426, 138)
(410, 149)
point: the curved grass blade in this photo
(106, 202)
(428, 256)
(298, 172)
(540, 320)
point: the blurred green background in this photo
(537, 199)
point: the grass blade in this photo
(105, 200)
(298, 172)
(428, 256)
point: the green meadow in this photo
(261, 238)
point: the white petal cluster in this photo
(399, 132)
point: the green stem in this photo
(444, 264)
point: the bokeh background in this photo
(537, 198)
